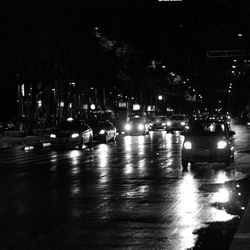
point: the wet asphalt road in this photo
(131, 194)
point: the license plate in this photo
(204, 152)
(63, 141)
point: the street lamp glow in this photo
(160, 97)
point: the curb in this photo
(36, 142)
(241, 239)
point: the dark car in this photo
(137, 125)
(72, 133)
(103, 131)
(176, 122)
(158, 123)
(208, 141)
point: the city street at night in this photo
(125, 124)
(128, 194)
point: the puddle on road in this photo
(231, 197)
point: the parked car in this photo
(208, 141)
(137, 125)
(72, 133)
(103, 131)
(158, 122)
(176, 122)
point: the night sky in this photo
(179, 33)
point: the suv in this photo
(208, 141)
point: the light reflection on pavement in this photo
(129, 194)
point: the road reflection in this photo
(132, 193)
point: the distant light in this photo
(229, 91)
(136, 107)
(163, 66)
(235, 60)
(160, 97)
(39, 103)
(28, 148)
(92, 106)
(230, 86)
(239, 34)
(61, 104)
(233, 66)
(46, 144)
(22, 89)
(233, 71)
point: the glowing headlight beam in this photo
(128, 127)
(102, 132)
(221, 144)
(187, 145)
(75, 135)
(140, 126)
(52, 136)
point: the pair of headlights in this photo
(220, 145)
(170, 123)
(74, 135)
(128, 127)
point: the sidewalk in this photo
(7, 142)
(241, 239)
(15, 138)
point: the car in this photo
(158, 123)
(208, 141)
(137, 125)
(176, 122)
(71, 133)
(104, 131)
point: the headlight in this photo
(169, 123)
(187, 145)
(74, 135)
(102, 132)
(128, 126)
(52, 136)
(221, 144)
(183, 123)
(163, 124)
(140, 126)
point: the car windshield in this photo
(207, 128)
(136, 120)
(177, 117)
(159, 119)
(69, 125)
